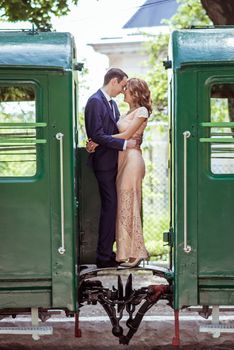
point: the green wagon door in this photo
(216, 187)
(25, 230)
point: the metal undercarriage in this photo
(124, 299)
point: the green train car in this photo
(201, 88)
(49, 198)
(38, 140)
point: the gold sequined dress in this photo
(131, 171)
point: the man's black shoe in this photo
(106, 263)
(113, 256)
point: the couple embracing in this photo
(119, 167)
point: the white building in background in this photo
(125, 51)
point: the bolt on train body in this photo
(49, 197)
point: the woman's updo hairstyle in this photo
(140, 93)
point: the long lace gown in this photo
(131, 171)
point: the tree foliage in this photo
(38, 12)
(189, 13)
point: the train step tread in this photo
(27, 330)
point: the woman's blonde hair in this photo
(140, 93)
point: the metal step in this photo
(34, 330)
(217, 329)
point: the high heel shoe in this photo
(146, 260)
(135, 263)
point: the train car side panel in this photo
(63, 264)
(185, 121)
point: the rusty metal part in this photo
(77, 325)
(116, 300)
(205, 312)
(176, 338)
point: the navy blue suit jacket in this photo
(100, 125)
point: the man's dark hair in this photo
(114, 73)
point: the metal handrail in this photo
(22, 125)
(14, 141)
(187, 248)
(216, 140)
(59, 137)
(217, 124)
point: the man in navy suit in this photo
(101, 116)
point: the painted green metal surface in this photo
(62, 112)
(195, 48)
(205, 275)
(39, 50)
(184, 119)
(25, 250)
(32, 271)
(215, 198)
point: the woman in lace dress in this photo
(131, 170)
